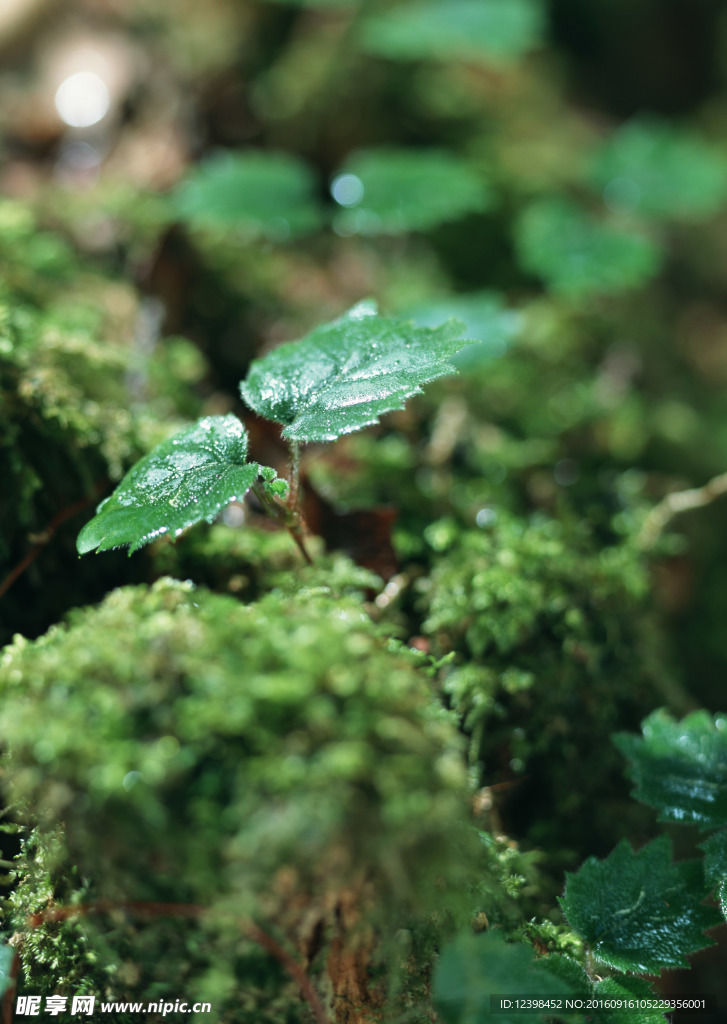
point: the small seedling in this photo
(338, 379)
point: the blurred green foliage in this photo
(488, 30)
(393, 192)
(577, 255)
(256, 195)
(651, 168)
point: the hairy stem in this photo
(294, 496)
(295, 531)
(676, 503)
(273, 508)
(289, 516)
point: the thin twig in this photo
(45, 536)
(294, 970)
(676, 503)
(193, 910)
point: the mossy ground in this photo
(358, 762)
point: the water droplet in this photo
(486, 517)
(347, 189)
(130, 780)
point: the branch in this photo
(293, 968)
(192, 910)
(676, 503)
(46, 535)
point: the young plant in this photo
(636, 913)
(339, 378)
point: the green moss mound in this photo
(555, 647)
(268, 761)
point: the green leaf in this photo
(579, 255)
(616, 987)
(715, 866)
(621, 987)
(475, 967)
(187, 478)
(487, 31)
(658, 171)
(681, 767)
(484, 315)
(568, 970)
(7, 955)
(393, 191)
(637, 911)
(344, 375)
(264, 194)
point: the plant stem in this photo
(590, 965)
(271, 507)
(294, 522)
(297, 534)
(293, 968)
(294, 496)
(289, 516)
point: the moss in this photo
(555, 643)
(249, 561)
(261, 760)
(80, 399)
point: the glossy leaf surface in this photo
(681, 767)
(480, 30)
(188, 478)
(345, 374)
(578, 254)
(614, 988)
(715, 866)
(475, 967)
(268, 195)
(640, 912)
(621, 988)
(657, 171)
(399, 190)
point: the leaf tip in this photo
(86, 540)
